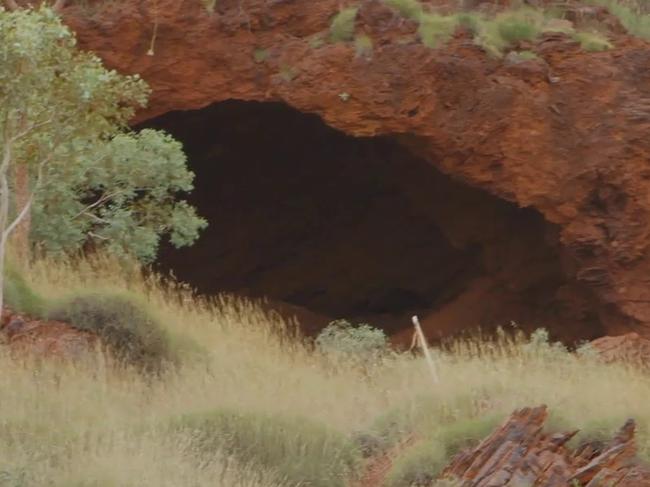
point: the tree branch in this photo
(59, 5)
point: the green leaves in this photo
(65, 116)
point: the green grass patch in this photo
(524, 56)
(633, 15)
(422, 464)
(342, 25)
(20, 297)
(123, 324)
(436, 29)
(260, 55)
(301, 451)
(409, 9)
(592, 41)
(363, 45)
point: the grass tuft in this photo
(409, 9)
(436, 29)
(592, 41)
(123, 324)
(342, 25)
(301, 451)
(363, 45)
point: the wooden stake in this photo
(425, 350)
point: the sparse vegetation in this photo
(344, 340)
(633, 14)
(125, 326)
(436, 29)
(409, 9)
(363, 45)
(592, 41)
(260, 55)
(68, 424)
(287, 73)
(298, 449)
(342, 25)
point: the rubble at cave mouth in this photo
(335, 226)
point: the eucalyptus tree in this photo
(85, 177)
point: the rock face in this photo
(520, 453)
(27, 337)
(565, 135)
(631, 349)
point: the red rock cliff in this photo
(567, 136)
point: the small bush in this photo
(342, 26)
(436, 29)
(527, 55)
(592, 42)
(301, 451)
(515, 28)
(122, 324)
(422, 464)
(360, 342)
(19, 295)
(419, 466)
(260, 55)
(410, 9)
(507, 29)
(363, 45)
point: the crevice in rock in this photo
(331, 226)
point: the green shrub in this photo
(632, 15)
(508, 28)
(592, 41)
(363, 45)
(419, 465)
(410, 9)
(19, 295)
(124, 325)
(436, 29)
(514, 28)
(260, 55)
(301, 451)
(527, 55)
(360, 342)
(342, 26)
(422, 464)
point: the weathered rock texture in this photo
(566, 135)
(521, 453)
(631, 349)
(26, 337)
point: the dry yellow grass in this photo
(90, 425)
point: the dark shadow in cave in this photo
(338, 226)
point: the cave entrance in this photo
(328, 226)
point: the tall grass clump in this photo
(409, 9)
(592, 41)
(436, 29)
(508, 28)
(342, 25)
(124, 325)
(301, 451)
(68, 424)
(20, 297)
(633, 14)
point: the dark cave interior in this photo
(326, 226)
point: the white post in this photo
(425, 350)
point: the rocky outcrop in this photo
(630, 349)
(521, 453)
(26, 337)
(565, 135)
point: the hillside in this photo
(237, 309)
